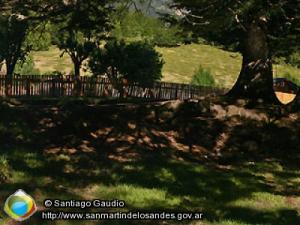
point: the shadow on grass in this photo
(179, 160)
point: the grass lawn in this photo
(48, 61)
(72, 150)
(180, 63)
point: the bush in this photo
(27, 67)
(203, 77)
(294, 59)
(54, 73)
(137, 62)
(141, 64)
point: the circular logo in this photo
(20, 206)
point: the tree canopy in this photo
(228, 21)
(12, 36)
(82, 29)
(136, 62)
(258, 29)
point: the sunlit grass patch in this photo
(181, 62)
(139, 197)
(262, 201)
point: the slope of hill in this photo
(180, 63)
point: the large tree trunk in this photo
(10, 67)
(77, 86)
(115, 81)
(256, 77)
(77, 66)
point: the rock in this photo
(241, 102)
(218, 111)
(233, 110)
(173, 105)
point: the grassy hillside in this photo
(181, 63)
(47, 61)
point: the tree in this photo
(76, 45)
(40, 37)
(12, 36)
(136, 62)
(16, 20)
(83, 27)
(139, 27)
(258, 29)
(141, 64)
(107, 60)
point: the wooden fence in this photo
(55, 86)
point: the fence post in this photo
(159, 92)
(27, 87)
(53, 87)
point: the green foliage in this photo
(203, 77)
(12, 37)
(227, 22)
(83, 27)
(54, 73)
(4, 169)
(139, 27)
(76, 45)
(40, 38)
(141, 63)
(137, 62)
(108, 60)
(27, 67)
(294, 59)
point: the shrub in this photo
(141, 64)
(27, 67)
(54, 73)
(137, 62)
(203, 77)
(294, 59)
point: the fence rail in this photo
(55, 86)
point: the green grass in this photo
(241, 196)
(47, 61)
(181, 63)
